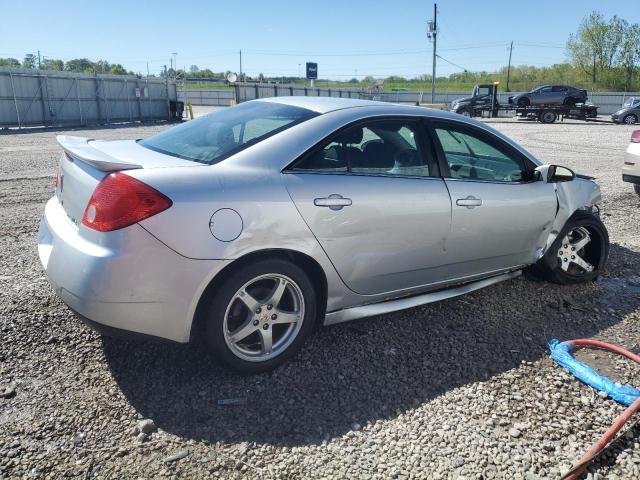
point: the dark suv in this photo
(550, 95)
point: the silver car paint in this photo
(186, 256)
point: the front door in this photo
(500, 216)
(372, 198)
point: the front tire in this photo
(578, 254)
(261, 315)
(523, 102)
(630, 119)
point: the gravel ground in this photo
(459, 389)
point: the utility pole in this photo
(175, 63)
(509, 67)
(38, 59)
(240, 76)
(432, 33)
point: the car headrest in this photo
(351, 136)
(224, 135)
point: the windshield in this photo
(216, 136)
(631, 101)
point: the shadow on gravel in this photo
(372, 369)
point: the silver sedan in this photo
(251, 225)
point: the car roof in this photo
(322, 104)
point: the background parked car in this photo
(631, 166)
(550, 95)
(629, 113)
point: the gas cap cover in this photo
(225, 224)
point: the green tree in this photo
(629, 57)
(79, 65)
(9, 62)
(29, 61)
(52, 64)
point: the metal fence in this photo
(608, 102)
(50, 98)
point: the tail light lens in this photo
(635, 136)
(120, 200)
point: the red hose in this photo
(597, 448)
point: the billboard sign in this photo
(312, 71)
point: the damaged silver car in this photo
(250, 226)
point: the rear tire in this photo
(578, 254)
(630, 119)
(261, 315)
(524, 102)
(548, 116)
(570, 102)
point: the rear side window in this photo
(383, 147)
(216, 136)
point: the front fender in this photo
(579, 194)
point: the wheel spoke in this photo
(278, 290)
(267, 340)
(564, 265)
(243, 331)
(286, 317)
(582, 242)
(251, 303)
(582, 263)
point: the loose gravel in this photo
(461, 389)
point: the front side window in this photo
(216, 136)
(471, 156)
(383, 147)
(559, 88)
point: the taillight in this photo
(635, 136)
(120, 200)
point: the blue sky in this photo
(346, 38)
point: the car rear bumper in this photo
(125, 280)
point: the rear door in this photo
(373, 197)
(543, 95)
(558, 94)
(500, 215)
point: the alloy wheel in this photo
(629, 120)
(573, 252)
(264, 317)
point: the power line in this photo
(451, 63)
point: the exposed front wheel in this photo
(261, 315)
(523, 102)
(630, 119)
(578, 254)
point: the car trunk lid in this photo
(86, 162)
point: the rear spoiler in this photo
(78, 148)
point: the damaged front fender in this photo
(579, 194)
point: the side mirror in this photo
(555, 173)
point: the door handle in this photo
(333, 201)
(469, 202)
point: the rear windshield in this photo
(216, 136)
